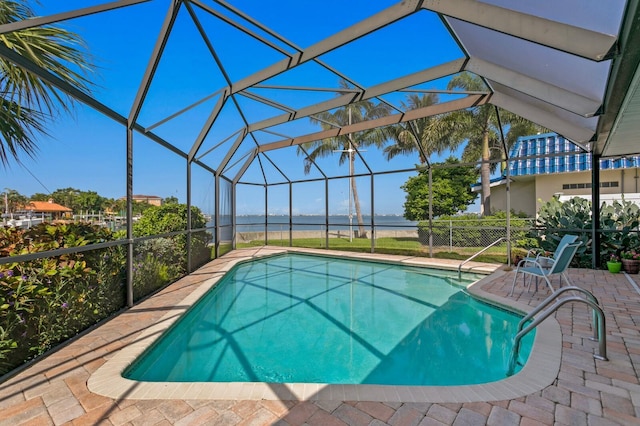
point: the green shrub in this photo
(155, 264)
(172, 218)
(46, 301)
(201, 251)
(160, 261)
(149, 274)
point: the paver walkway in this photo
(586, 391)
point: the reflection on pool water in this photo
(316, 319)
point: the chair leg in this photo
(515, 277)
(548, 283)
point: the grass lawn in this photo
(390, 245)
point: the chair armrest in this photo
(536, 264)
(528, 259)
(532, 253)
(546, 260)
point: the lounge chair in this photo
(535, 268)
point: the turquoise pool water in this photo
(312, 319)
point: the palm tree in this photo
(346, 145)
(26, 101)
(479, 127)
(426, 135)
(12, 201)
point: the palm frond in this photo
(18, 126)
(28, 102)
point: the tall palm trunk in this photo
(354, 188)
(347, 144)
(485, 174)
(356, 200)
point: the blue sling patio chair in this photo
(534, 268)
(531, 254)
(546, 261)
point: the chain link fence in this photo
(473, 233)
(464, 236)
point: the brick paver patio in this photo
(586, 391)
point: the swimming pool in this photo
(317, 319)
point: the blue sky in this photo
(87, 150)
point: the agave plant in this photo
(618, 226)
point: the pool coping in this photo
(539, 372)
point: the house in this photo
(150, 199)
(46, 209)
(547, 165)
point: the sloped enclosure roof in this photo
(232, 85)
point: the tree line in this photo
(75, 199)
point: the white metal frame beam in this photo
(361, 29)
(154, 60)
(207, 126)
(64, 16)
(355, 96)
(467, 102)
(544, 118)
(567, 38)
(538, 89)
